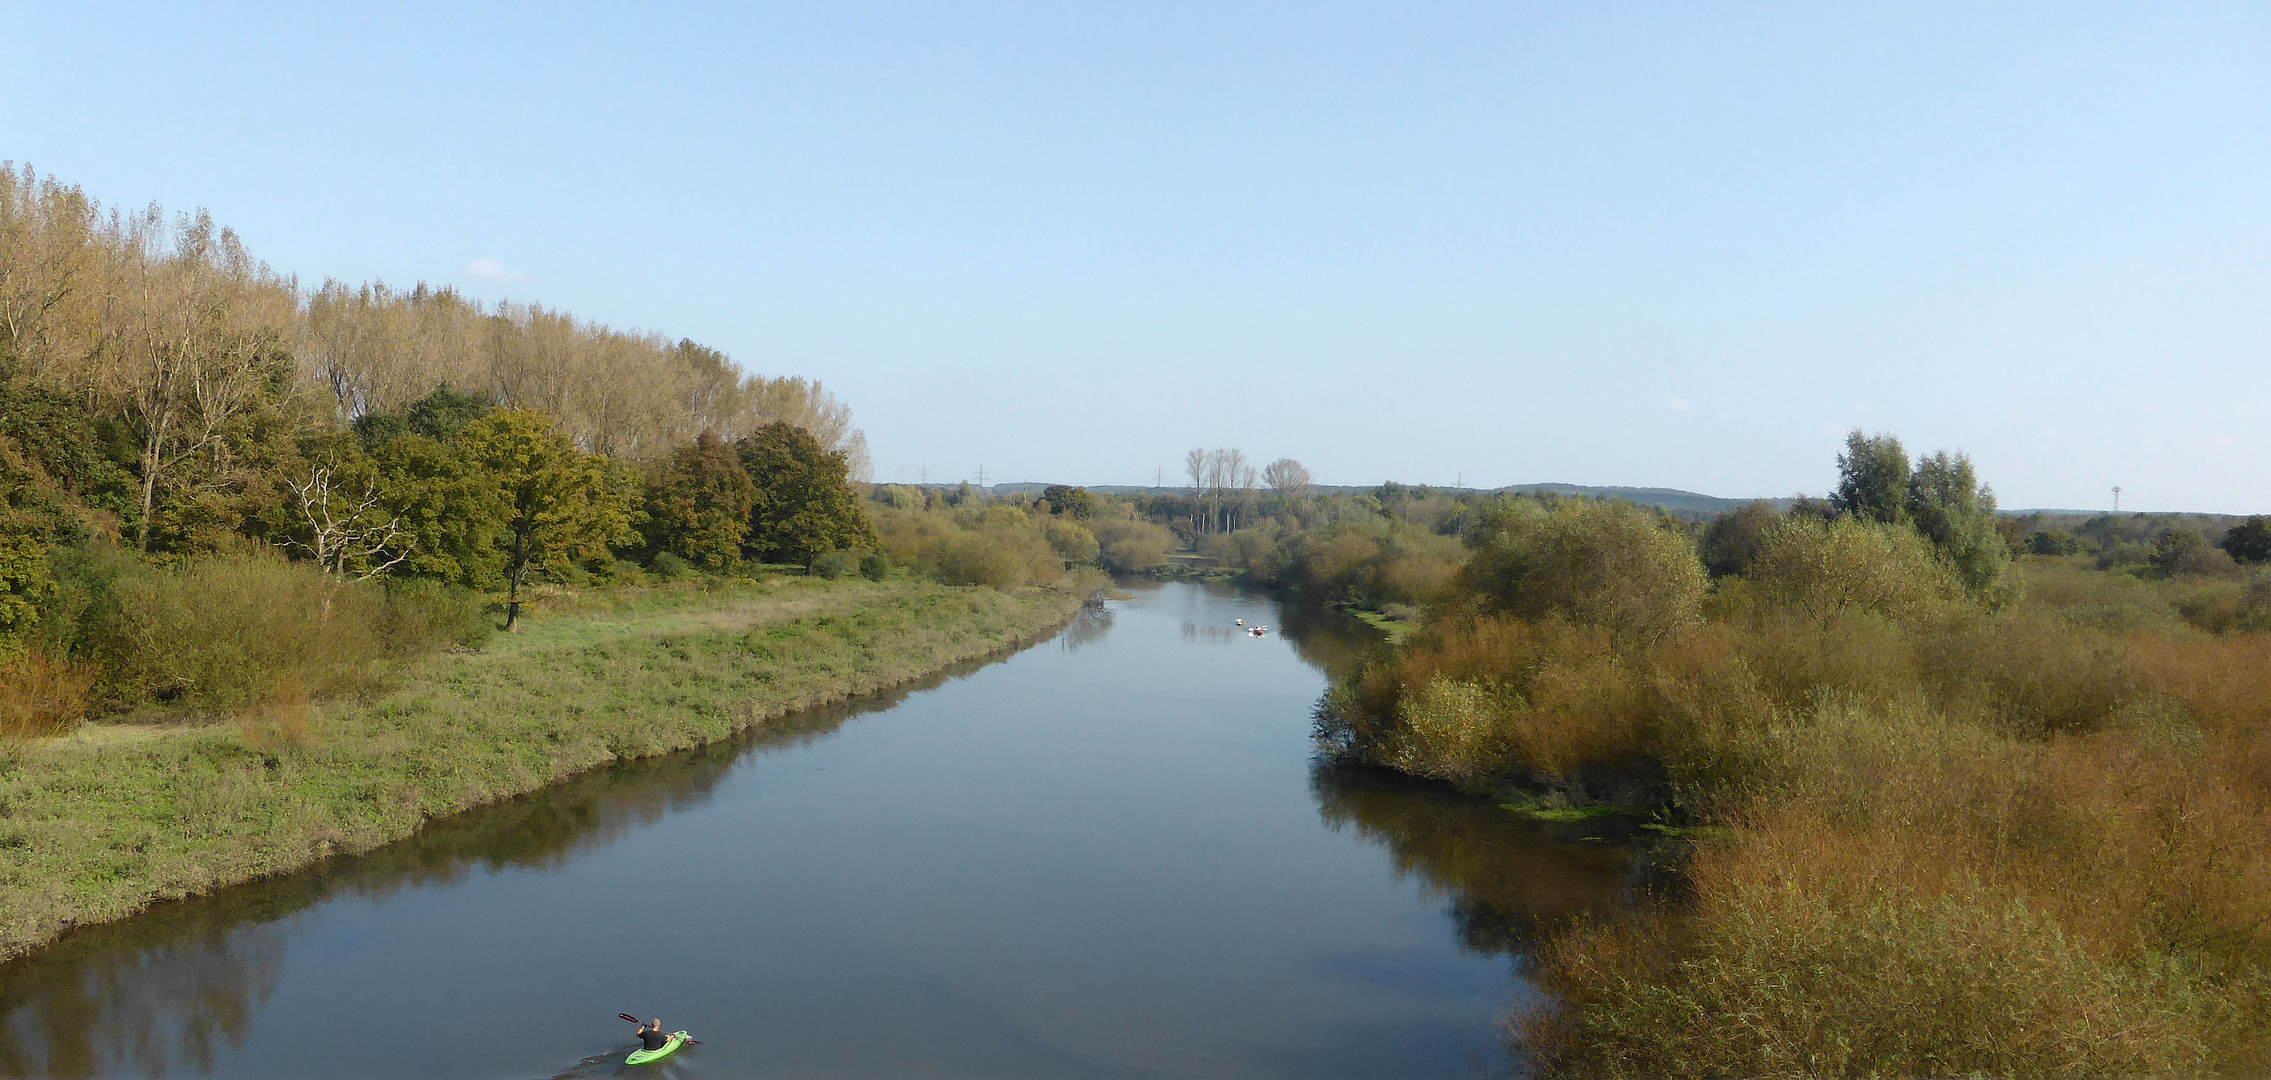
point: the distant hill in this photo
(1687, 504)
(1684, 503)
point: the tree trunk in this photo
(512, 588)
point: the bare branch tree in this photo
(1287, 477)
(342, 530)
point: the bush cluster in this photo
(1940, 829)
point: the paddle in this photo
(690, 1040)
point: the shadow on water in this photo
(1328, 639)
(1506, 880)
(164, 991)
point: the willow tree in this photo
(1872, 478)
(1952, 509)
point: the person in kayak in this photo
(651, 1035)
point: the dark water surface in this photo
(1110, 855)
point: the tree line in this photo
(169, 404)
(191, 351)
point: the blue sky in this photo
(1684, 244)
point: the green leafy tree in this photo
(449, 511)
(57, 485)
(439, 415)
(1598, 562)
(561, 505)
(1732, 538)
(1872, 478)
(2185, 553)
(1079, 503)
(2249, 541)
(698, 506)
(1952, 509)
(804, 501)
(26, 584)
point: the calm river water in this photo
(1110, 855)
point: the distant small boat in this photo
(1240, 622)
(1257, 631)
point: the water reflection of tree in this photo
(167, 990)
(1327, 639)
(1507, 879)
(1212, 635)
(1086, 628)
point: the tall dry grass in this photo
(41, 694)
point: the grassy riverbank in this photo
(97, 825)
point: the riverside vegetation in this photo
(1950, 807)
(100, 824)
(256, 541)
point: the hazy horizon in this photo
(1646, 247)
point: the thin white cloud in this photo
(493, 270)
(1680, 404)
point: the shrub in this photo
(26, 584)
(1450, 730)
(2059, 589)
(1130, 546)
(423, 614)
(1798, 978)
(1917, 895)
(669, 567)
(1821, 568)
(1002, 558)
(834, 564)
(1599, 562)
(874, 566)
(231, 630)
(41, 694)
(1073, 542)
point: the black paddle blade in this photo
(629, 1017)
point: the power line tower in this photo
(923, 474)
(1158, 478)
(981, 476)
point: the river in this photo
(1108, 855)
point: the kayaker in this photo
(652, 1037)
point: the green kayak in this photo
(641, 1057)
